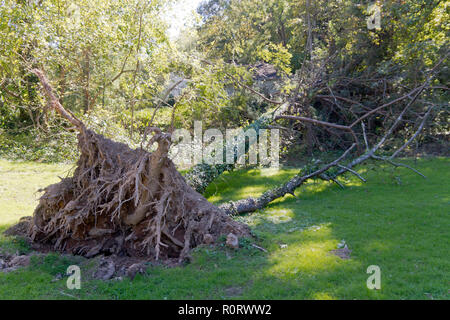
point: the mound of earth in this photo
(126, 202)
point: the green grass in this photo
(19, 182)
(397, 220)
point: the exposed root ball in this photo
(128, 202)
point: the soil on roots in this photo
(127, 202)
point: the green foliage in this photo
(57, 145)
(412, 33)
(114, 56)
(98, 54)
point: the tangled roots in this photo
(127, 202)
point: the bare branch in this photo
(54, 102)
(364, 135)
(414, 135)
(397, 164)
(247, 87)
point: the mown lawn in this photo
(397, 220)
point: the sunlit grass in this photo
(19, 183)
(397, 220)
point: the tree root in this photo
(123, 201)
(126, 202)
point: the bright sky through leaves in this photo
(180, 14)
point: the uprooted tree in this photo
(125, 201)
(135, 202)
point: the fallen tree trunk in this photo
(252, 204)
(202, 174)
(124, 201)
